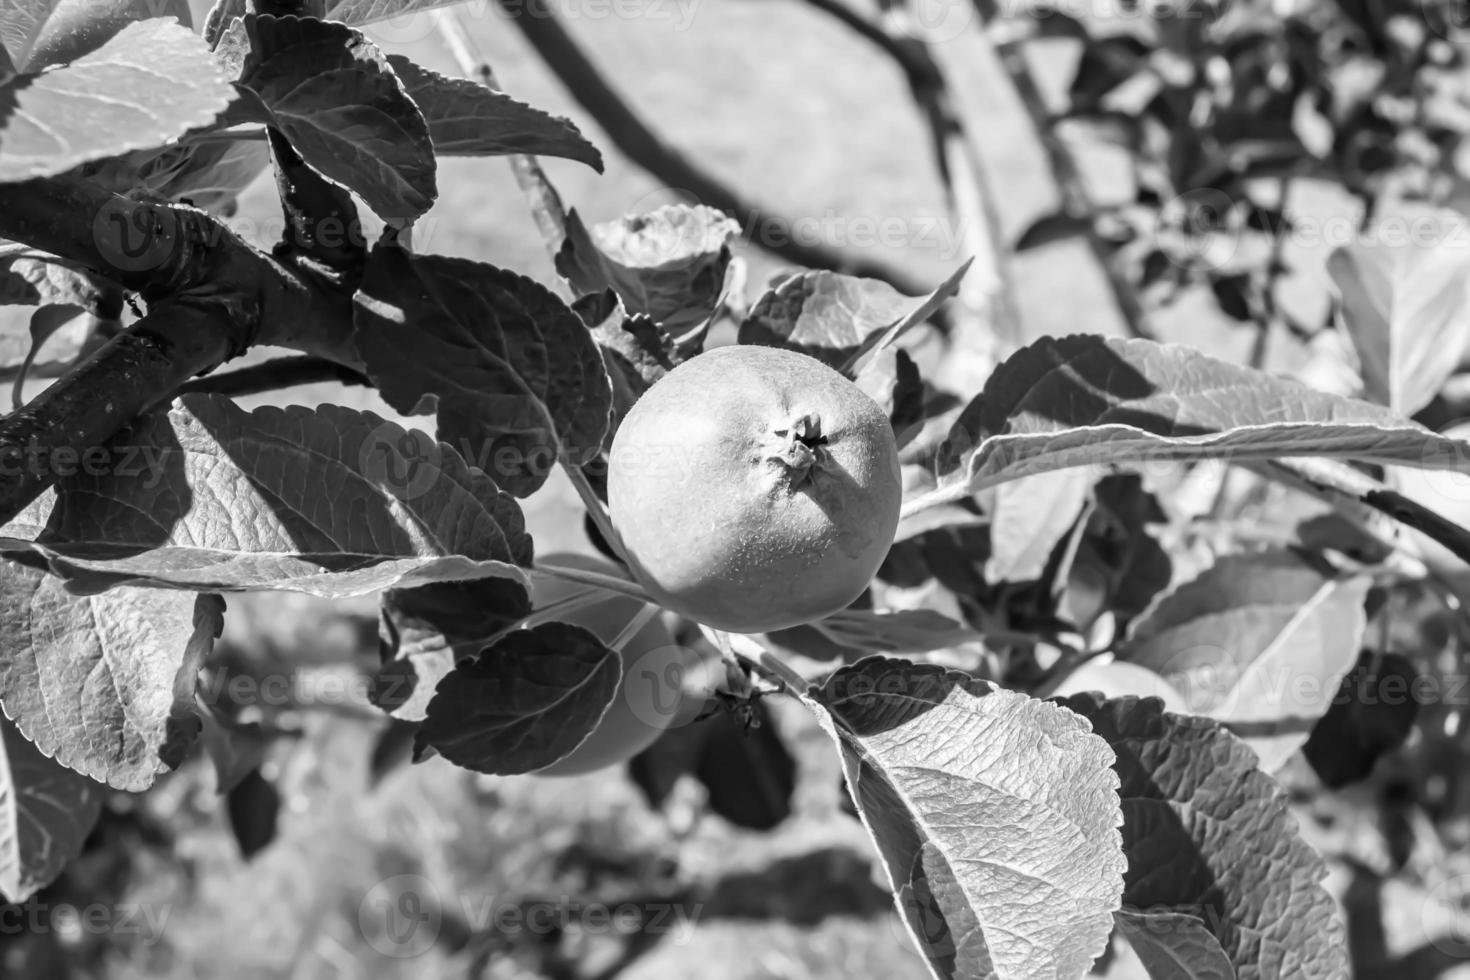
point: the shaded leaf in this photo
(1259, 641)
(467, 119)
(514, 375)
(253, 806)
(524, 703)
(1373, 713)
(1406, 308)
(668, 264)
(1089, 399)
(336, 98)
(329, 501)
(891, 378)
(148, 85)
(426, 631)
(898, 631)
(748, 773)
(1175, 946)
(103, 684)
(1207, 834)
(46, 813)
(986, 806)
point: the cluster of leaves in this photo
(1018, 832)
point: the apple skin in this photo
(754, 489)
(649, 697)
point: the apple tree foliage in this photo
(1019, 822)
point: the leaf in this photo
(1406, 309)
(148, 85)
(468, 119)
(748, 773)
(1029, 517)
(1258, 641)
(209, 173)
(1088, 399)
(426, 631)
(335, 97)
(668, 264)
(361, 12)
(21, 22)
(524, 703)
(103, 684)
(46, 813)
(1208, 834)
(995, 814)
(329, 502)
(40, 280)
(513, 373)
(835, 317)
(1373, 713)
(1175, 946)
(899, 631)
(891, 378)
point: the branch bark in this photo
(210, 296)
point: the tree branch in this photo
(561, 53)
(211, 296)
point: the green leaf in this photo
(1087, 399)
(513, 373)
(1208, 834)
(1258, 641)
(151, 83)
(361, 12)
(668, 264)
(899, 631)
(1029, 517)
(208, 173)
(329, 502)
(467, 119)
(1406, 308)
(426, 631)
(34, 279)
(835, 317)
(103, 684)
(891, 378)
(46, 813)
(73, 28)
(1175, 946)
(524, 703)
(996, 816)
(337, 100)
(21, 22)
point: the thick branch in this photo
(126, 377)
(561, 53)
(211, 296)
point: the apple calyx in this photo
(797, 447)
